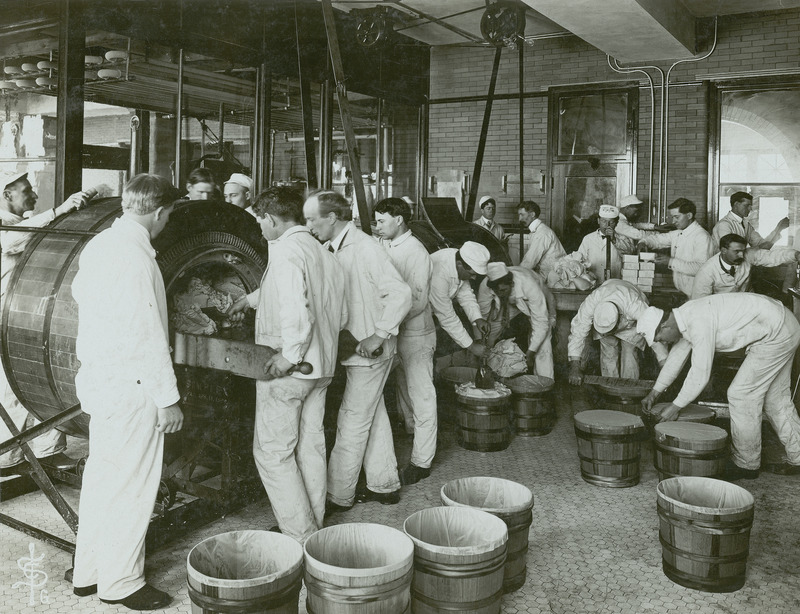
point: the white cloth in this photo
(492, 226)
(446, 286)
(528, 296)
(631, 303)
(689, 250)
(714, 276)
(300, 304)
(12, 245)
(593, 251)
(125, 376)
(544, 250)
(289, 451)
(771, 334)
(416, 394)
(733, 224)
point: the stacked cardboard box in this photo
(639, 270)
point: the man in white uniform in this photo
(237, 191)
(452, 271)
(735, 222)
(730, 270)
(300, 310)
(486, 220)
(630, 207)
(610, 314)
(416, 342)
(509, 294)
(378, 300)
(593, 246)
(17, 201)
(726, 323)
(127, 385)
(690, 245)
(545, 248)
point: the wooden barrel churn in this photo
(459, 560)
(609, 443)
(446, 381)
(512, 503)
(533, 410)
(704, 529)
(482, 424)
(359, 568)
(245, 571)
(689, 448)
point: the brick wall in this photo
(756, 42)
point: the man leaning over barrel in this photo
(16, 206)
(770, 334)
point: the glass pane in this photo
(592, 125)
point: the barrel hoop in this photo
(341, 594)
(699, 454)
(474, 570)
(714, 583)
(712, 527)
(457, 606)
(310, 609)
(12, 283)
(250, 606)
(705, 558)
(601, 480)
(629, 438)
(502, 429)
(624, 461)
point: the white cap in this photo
(630, 199)
(242, 180)
(605, 317)
(476, 256)
(609, 212)
(9, 177)
(648, 323)
(485, 199)
(496, 270)
(407, 200)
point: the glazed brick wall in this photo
(756, 42)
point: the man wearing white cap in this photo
(416, 341)
(506, 297)
(770, 334)
(690, 245)
(629, 209)
(594, 247)
(486, 220)
(17, 201)
(545, 248)
(237, 191)
(378, 301)
(610, 314)
(452, 271)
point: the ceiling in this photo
(626, 29)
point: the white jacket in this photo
(446, 286)
(544, 250)
(13, 243)
(412, 261)
(713, 278)
(690, 248)
(733, 224)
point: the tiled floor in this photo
(591, 549)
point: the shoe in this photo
(59, 461)
(734, 472)
(384, 498)
(782, 468)
(334, 508)
(146, 598)
(411, 474)
(80, 591)
(20, 468)
(275, 529)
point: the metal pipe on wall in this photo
(379, 151)
(521, 123)
(133, 167)
(179, 121)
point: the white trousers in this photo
(363, 437)
(543, 360)
(618, 358)
(118, 493)
(763, 383)
(416, 394)
(44, 445)
(289, 450)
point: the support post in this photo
(326, 135)
(306, 106)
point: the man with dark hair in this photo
(545, 248)
(416, 341)
(735, 222)
(378, 300)
(730, 269)
(488, 207)
(127, 385)
(200, 185)
(18, 201)
(300, 309)
(690, 245)
(770, 334)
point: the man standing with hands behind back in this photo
(127, 385)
